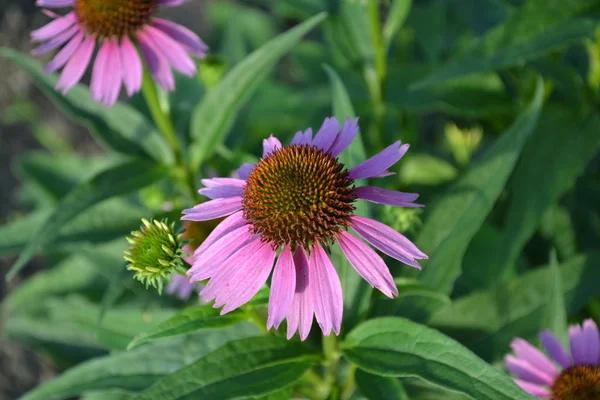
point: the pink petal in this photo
(219, 188)
(188, 39)
(326, 291)
(98, 72)
(379, 163)
(368, 264)
(300, 315)
(56, 41)
(384, 196)
(282, 288)
(76, 66)
(534, 390)
(555, 349)
(132, 67)
(54, 28)
(172, 3)
(207, 263)
(387, 240)
(157, 63)
(171, 50)
(523, 370)
(113, 74)
(247, 280)
(585, 343)
(213, 209)
(244, 170)
(326, 135)
(270, 145)
(229, 224)
(64, 54)
(345, 137)
(525, 351)
(55, 3)
(303, 138)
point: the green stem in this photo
(349, 384)
(377, 35)
(331, 364)
(162, 119)
(375, 75)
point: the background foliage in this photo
(499, 100)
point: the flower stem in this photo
(331, 364)
(375, 74)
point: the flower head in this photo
(155, 253)
(116, 27)
(296, 201)
(573, 375)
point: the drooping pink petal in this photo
(170, 50)
(387, 240)
(157, 63)
(303, 138)
(98, 72)
(247, 280)
(132, 67)
(113, 74)
(325, 291)
(584, 342)
(244, 170)
(172, 3)
(213, 209)
(55, 3)
(384, 196)
(188, 39)
(227, 269)
(326, 135)
(523, 370)
(76, 66)
(368, 264)
(56, 41)
(379, 163)
(270, 145)
(229, 224)
(64, 54)
(555, 349)
(525, 351)
(180, 286)
(207, 263)
(345, 137)
(538, 391)
(219, 188)
(301, 312)
(54, 28)
(283, 285)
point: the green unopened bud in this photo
(463, 142)
(155, 253)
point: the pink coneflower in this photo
(293, 203)
(573, 375)
(116, 26)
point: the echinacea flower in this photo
(294, 202)
(566, 375)
(116, 27)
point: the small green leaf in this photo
(556, 312)
(375, 387)
(395, 20)
(425, 169)
(486, 321)
(138, 369)
(215, 115)
(397, 347)
(136, 136)
(455, 219)
(533, 30)
(119, 180)
(187, 321)
(244, 368)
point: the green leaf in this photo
(536, 28)
(425, 169)
(556, 312)
(486, 321)
(136, 136)
(556, 155)
(375, 387)
(186, 321)
(247, 367)
(138, 369)
(455, 219)
(357, 291)
(215, 115)
(398, 347)
(283, 394)
(348, 32)
(119, 180)
(395, 20)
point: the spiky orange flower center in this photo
(119, 18)
(298, 196)
(581, 382)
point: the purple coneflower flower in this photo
(294, 202)
(568, 376)
(116, 26)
